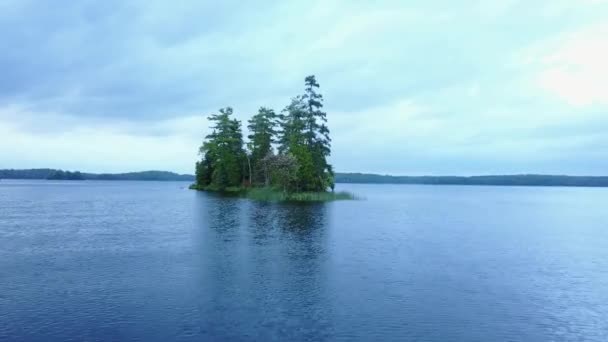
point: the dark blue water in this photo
(149, 261)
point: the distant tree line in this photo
(76, 175)
(297, 164)
(505, 180)
(366, 178)
(65, 175)
(25, 173)
(143, 176)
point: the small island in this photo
(297, 171)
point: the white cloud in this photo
(125, 86)
(577, 70)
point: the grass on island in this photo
(276, 195)
(228, 190)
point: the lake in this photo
(153, 261)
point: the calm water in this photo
(150, 261)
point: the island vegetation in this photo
(284, 158)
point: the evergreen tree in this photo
(305, 135)
(204, 169)
(262, 135)
(303, 147)
(292, 125)
(293, 140)
(223, 155)
(317, 135)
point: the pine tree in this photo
(262, 135)
(293, 140)
(303, 147)
(317, 135)
(223, 155)
(305, 135)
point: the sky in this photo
(431, 87)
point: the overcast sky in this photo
(411, 87)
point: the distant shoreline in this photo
(344, 178)
(52, 174)
(492, 180)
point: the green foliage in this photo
(273, 194)
(320, 196)
(224, 158)
(203, 171)
(228, 190)
(277, 195)
(140, 176)
(283, 172)
(261, 133)
(262, 129)
(304, 134)
(131, 176)
(303, 145)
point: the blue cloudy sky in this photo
(411, 87)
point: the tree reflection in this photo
(263, 265)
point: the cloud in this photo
(577, 71)
(422, 87)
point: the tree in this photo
(203, 171)
(262, 135)
(303, 147)
(291, 121)
(293, 140)
(223, 154)
(317, 134)
(304, 134)
(283, 170)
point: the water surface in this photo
(153, 261)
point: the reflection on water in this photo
(263, 266)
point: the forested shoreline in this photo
(285, 153)
(496, 180)
(340, 177)
(54, 174)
